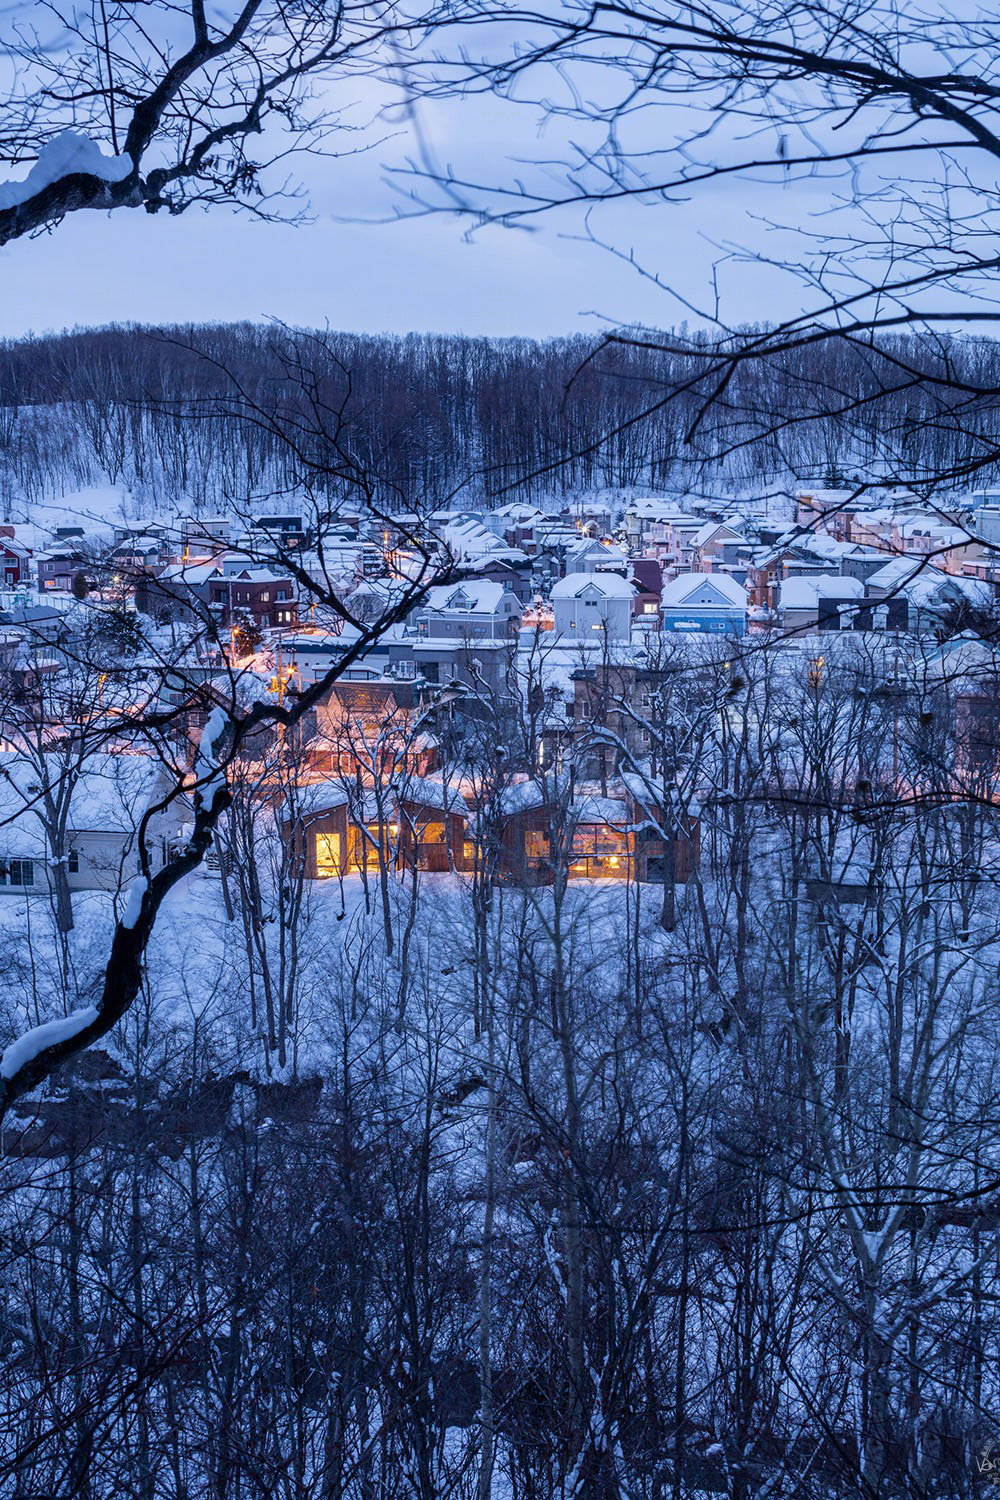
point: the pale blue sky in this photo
(422, 274)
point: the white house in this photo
(593, 606)
(98, 844)
(704, 603)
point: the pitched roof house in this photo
(704, 603)
(591, 605)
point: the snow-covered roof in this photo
(520, 512)
(476, 596)
(470, 539)
(193, 574)
(256, 575)
(428, 791)
(110, 796)
(314, 798)
(592, 549)
(679, 591)
(804, 593)
(710, 531)
(611, 585)
(901, 569)
(593, 809)
(656, 508)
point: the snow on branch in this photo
(133, 905)
(26, 1048)
(206, 766)
(68, 154)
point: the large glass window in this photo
(17, 872)
(598, 838)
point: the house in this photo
(657, 853)
(592, 556)
(592, 837)
(283, 531)
(373, 728)
(475, 610)
(518, 523)
(268, 597)
(712, 546)
(474, 541)
(37, 624)
(109, 797)
(649, 524)
(831, 509)
(919, 595)
(593, 607)
(647, 580)
(203, 536)
(15, 559)
(823, 601)
(196, 591)
(663, 530)
(589, 837)
(554, 539)
(59, 568)
(142, 554)
(930, 536)
(703, 603)
(416, 823)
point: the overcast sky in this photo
(422, 274)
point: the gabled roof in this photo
(900, 570)
(689, 590)
(593, 547)
(712, 530)
(805, 593)
(610, 585)
(476, 595)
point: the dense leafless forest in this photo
(457, 418)
(443, 1186)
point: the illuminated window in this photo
(431, 833)
(327, 855)
(536, 845)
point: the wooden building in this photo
(341, 830)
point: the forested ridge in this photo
(477, 419)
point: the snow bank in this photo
(26, 1048)
(68, 152)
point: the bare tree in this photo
(175, 104)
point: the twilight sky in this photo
(422, 274)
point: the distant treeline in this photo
(206, 411)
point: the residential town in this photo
(564, 625)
